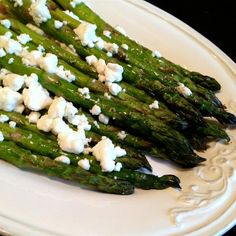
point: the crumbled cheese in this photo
(111, 47)
(65, 74)
(31, 58)
(41, 48)
(125, 46)
(34, 117)
(32, 79)
(86, 33)
(59, 126)
(57, 108)
(106, 95)
(96, 124)
(74, 3)
(6, 23)
(71, 14)
(63, 159)
(105, 152)
(18, 3)
(107, 33)
(84, 163)
(70, 110)
(182, 89)
(103, 119)
(13, 81)
(58, 24)
(35, 29)
(84, 91)
(109, 54)
(36, 97)
(2, 52)
(4, 118)
(156, 54)
(48, 63)
(72, 141)
(45, 123)
(100, 43)
(11, 60)
(154, 105)
(80, 121)
(9, 99)
(121, 30)
(114, 88)
(118, 167)
(120, 151)
(24, 38)
(96, 110)
(1, 137)
(122, 135)
(39, 11)
(11, 46)
(12, 124)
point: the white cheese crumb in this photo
(120, 151)
(70, 110)
(113, 72)
(57, 108)
(106, 95)
(80, 121)
(45, 123)
(63, 159)
(24, 38)
(103, 119)
(107, 33)
(59, 126)
(48, 63)
(182, 89)
(109, 54)
(58, 24)
(18, 3)
(100, 44)
(113, 48)
(6, 23)
(11, 60)
(34, 117)
(121, 30)
(1, 137)
(118, 167)
(156, 54)
(96, 110)
(12, 124)
(19, 108)
(114, 88)
(71, 14)
(74, 3)
(36, 97)
(122, 135)
(39, 11)
(84, 163)
(84, 91)
(32, 79)
(35, 29)
(41, 48)
(86, 33)
(125, 46)
(2, 52)
(31, 58)
(9, 99)
(154, 105)
(105, 152)
(4, 118)
(72, 141)
(13, 81)
(96, 124)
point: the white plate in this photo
(31, 204)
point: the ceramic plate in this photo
(32, 204)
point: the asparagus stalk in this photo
(137, 178)
(138, 51)
(24, 159)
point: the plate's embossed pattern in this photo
(212, 179)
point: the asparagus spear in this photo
(138, 51)
(24, 159)
(137, 178)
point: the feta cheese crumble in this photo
(2, 52)
(84, 91)
(84, 163)
(6, 23)
(107, 33)
(18, 3)
(63, 159)
(96, 110)
(156, 54)
(58, 24)
(57, 108)
(11, 60)
(12, 124)
(71, 14)
(114, 88)
(1, 137)
(39, 11)
(125, 46)
(86, 33)
(105, 152)
(34, 117)
(24, 38)
(182, 89)
(74, 3)
(14, 81)
(4, 118)
(154, 105)
(103, 119)
(122, 135)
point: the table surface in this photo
(214, 21)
